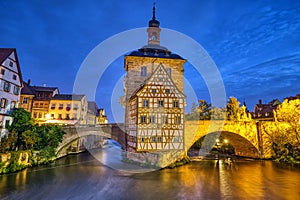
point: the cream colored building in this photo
(68, 109)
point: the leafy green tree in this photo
(29, 138)
(232, 109)
(204, 110)
(22, 121)
(200, 111)
(8, 143)
(48, 135)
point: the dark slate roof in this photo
(44, 89)
(27, 89)
(92, 107)
(4, 53)
(155, 51)
(75, 97)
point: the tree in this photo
(22, 121)
(285, 133)
(204, 110)
(232, 109)
(48, 135)
(8, 143)
(218, 113)
(29, 138)
(200, 111)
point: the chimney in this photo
(259, 101)
(28, 82)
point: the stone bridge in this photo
(81, 137)
(247, 137)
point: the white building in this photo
(10, 85)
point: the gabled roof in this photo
(27, 89)
(70, 97)
(5, 53)
(159, 70)
(44, 89)
(92, 107)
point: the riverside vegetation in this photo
(28, 144)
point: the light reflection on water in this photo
(83, 177)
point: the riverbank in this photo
(18, 160)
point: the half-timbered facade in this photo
(153, 96)
(10, 85)
(156, 114)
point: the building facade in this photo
(68, 109)
(26, 97)
(154, 96)
(10, 84)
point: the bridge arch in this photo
(242, 146)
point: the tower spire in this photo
(153, 16)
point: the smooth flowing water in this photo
(83, 177)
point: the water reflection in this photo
(83, 177)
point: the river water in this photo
(84, 177)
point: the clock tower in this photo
(153, 31)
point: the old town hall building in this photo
(154, 98)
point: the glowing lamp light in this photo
(48, 116)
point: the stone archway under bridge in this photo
(242, 146)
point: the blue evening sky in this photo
(255, 44)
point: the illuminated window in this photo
(3, 102)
